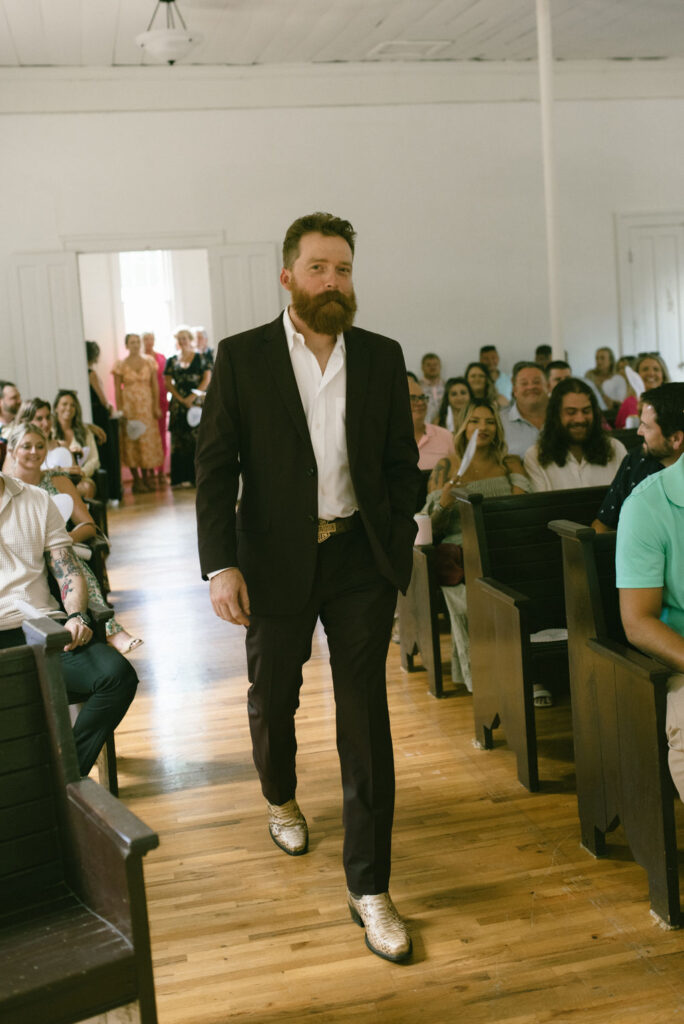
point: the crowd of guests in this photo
(155, 397)
(541, 429)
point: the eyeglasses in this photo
(419, 399)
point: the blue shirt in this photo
(650, 541)
(520, 433)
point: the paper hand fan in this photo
(58, 458)
(468, 453)
(135, 429)
(65, 504)
(634, 380)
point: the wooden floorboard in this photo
(511, 920)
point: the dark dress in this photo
(183, 436)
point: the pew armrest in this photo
(636, 662)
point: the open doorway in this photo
(142, 291)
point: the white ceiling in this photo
(100, 33)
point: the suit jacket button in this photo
(312, 519)
(311, 471)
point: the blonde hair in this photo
(499, 447)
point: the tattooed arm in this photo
(441, 473)
(73, 591)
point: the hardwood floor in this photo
(511, 920)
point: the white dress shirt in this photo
(324, 397)
(573, 473)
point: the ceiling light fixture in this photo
(171, 43)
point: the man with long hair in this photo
(573, 450)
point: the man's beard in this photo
(661, 451)
(579, 436)
(332, 312)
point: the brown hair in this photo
(324, 224)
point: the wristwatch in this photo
(83, 616)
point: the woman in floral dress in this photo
(137, 397)
(184, 373)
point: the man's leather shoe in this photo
(288, 829)
(386, 934)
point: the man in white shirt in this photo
(573, 450)
(489, 357)
(10, 400)
(313, 414)
(32, 535)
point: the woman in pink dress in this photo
(148, 345)
(137, 397)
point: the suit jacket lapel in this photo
(278, 359)
(357, 383)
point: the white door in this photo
(245, 291)
(652, 288)
(47, 327)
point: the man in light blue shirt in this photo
(650, 577)
(525, 418)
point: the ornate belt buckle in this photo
(325, 530)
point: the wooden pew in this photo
(514, 588)
(618, 711)
(419, 620)
(74, 935)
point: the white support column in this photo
(545, 61)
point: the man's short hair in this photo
(429, 355)
(543, 350)
(524, 364)
(324, 224)
(668, 405)
(6, 384)
(556, 364)
(487, 348)
(553, 442)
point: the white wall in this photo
(445, 196)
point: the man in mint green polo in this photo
(650, 577)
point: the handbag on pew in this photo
(449, 564)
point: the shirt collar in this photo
(673, 482)
(293, 335)
(11, 489)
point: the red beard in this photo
(331, 312)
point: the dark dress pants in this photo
(102, 680)
(356, 606)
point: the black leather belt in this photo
(328, 527)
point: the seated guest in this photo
(573, 450)
(68, 426)
(491, 472)
(543, 354)
(456, 398)
(662, 428)
(611, 386)
(556, 371)
(489, 357)
(525, 418)
(10, 400)
(31, 534)
(433, 442)
(28, 447)
(432, 383)
(482, 385)
(653, 373)
(649, 565)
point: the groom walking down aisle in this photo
(313, 413)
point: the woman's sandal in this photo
(124, 647)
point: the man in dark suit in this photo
(314, 414)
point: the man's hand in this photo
(229, 597)
(80, 633)
(98, 433)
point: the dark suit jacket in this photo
(253, 424)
